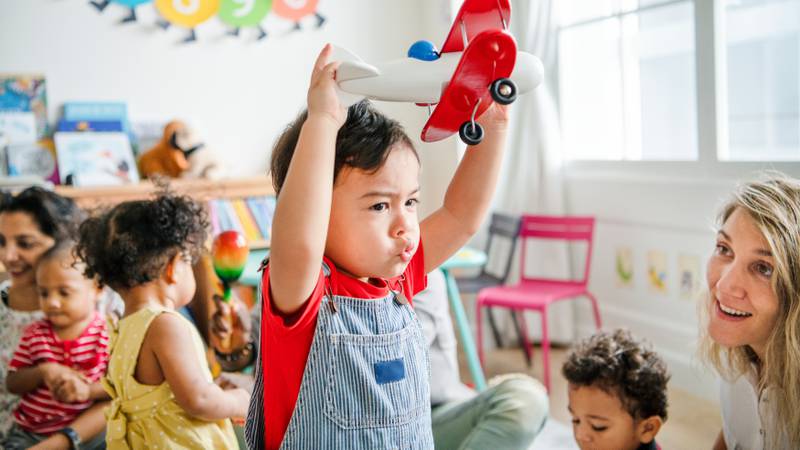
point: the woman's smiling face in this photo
(21, 245)
(743, 305)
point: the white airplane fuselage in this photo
(414, 80)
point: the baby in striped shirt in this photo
(59, 360)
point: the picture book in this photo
(95, 159)
(76, 111)
(17, 127)
(89, 125)
(32, 159)
(25, 93)
(88, 111)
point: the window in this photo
(762, 80)
(627, 79)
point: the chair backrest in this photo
(566, 228)
(503, 226)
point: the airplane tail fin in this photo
(351, 67)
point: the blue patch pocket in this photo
(389, 371)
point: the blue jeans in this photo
(507, 415)
(22, 439)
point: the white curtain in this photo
(532, 180)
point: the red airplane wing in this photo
(491, 55)
(477, 16)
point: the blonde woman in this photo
(753, 326)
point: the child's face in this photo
(21, 245)
(600, 422)
(65, 295)
(374, 228)
(743, 305)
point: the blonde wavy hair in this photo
(774, 205)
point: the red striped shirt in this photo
(39, 411)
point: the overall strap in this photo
(254, 427)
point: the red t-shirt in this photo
(39, 411)
(285, 346)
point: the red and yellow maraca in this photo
(229, 256)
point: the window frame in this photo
(712, 109)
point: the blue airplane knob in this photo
(423, 50)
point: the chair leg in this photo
(523, 341)
(479, 326)
(527, 348)
(498, 342)
(596, 310)
(545, 350)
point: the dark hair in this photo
(363, 142)
(132, 243)
(56, 216)
(62, 249)
(621, 366)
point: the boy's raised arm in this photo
(469, 194)
(300, 224)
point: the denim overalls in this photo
(366, 381)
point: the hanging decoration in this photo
(234, 14)
(186, 13)
(296, 10)
(130, 4)
(245, 13)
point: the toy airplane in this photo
(478, 64)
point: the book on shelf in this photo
(263, 209)
(89, 125)
(32, 159)
(27, 96)
(101, 111)
(17, 127)
(251, 216)
(95, 159)
(246, 219)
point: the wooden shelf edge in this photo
(199, 189)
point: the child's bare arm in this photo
(469, 194)
(301, 217)
(22, 381)
(168, 337)
(88, 425)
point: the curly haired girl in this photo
(162, 392)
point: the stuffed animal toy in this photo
(165, 158)
(179, 153)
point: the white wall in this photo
(238, 93)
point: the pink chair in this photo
(538, 293)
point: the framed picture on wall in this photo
(95, 159)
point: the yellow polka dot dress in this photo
(144, 416)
